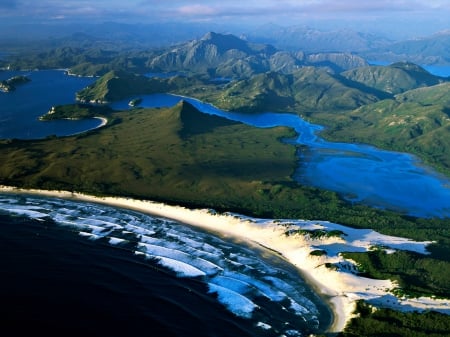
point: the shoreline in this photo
(339, 289)
(103, 120)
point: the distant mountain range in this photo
(225, 55)
(432, 49)
(313, 40)
(117, 36)
(424, 50)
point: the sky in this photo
(413, 16)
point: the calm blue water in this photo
(20, 109)
(360, 173)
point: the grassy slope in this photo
(393, 79)
(307, 90)
(162, 153)
(417, 121)
(181, 155)
(116, 85)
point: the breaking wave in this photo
(247, 283)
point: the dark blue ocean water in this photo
(101, 271)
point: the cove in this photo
(20, 109)
(358, 172)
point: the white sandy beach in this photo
(341, 287)
(104, 121)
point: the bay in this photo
(21, 108)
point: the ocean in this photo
(98, 270)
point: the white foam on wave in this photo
(207, 267)
(238, 276)
(234, 284)
(268, 291)
(90, 236)
(116, 241)
(235, 302)
(139, 230)
(26, 212)
(180, 268)
(263, 326)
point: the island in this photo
(76, 111)
(135, 102)
(11, 83)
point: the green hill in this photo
(116, 85)
(175, 154)
(307, 90)
(417, 121)
(393, 79)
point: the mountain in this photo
(393, 79)
(116, 85)
(214, 55)
(229, 56)
(305, 90)
(432, 49)
(221, 55)
(177, 154)
(416, 121)
(313, 40)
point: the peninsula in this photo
(11, 83)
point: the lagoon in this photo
(358, 172)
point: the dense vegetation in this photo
(116, 85)
(415, 274)
(76, 111)
(11, 83)
(416, 121)
(394, 79)
(304, 91)
(372, 322)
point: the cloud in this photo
(231, 11)
(197, 9)
(270, 9)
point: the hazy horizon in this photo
(397, 18)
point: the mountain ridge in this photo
(229, 56)
(395, 78)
